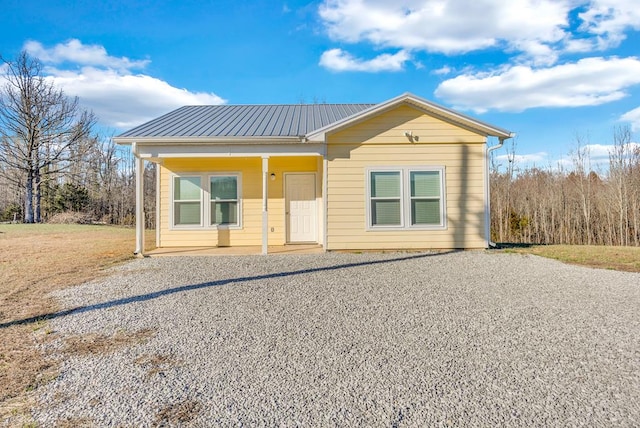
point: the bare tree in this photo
(571, 206)
(41, 128)
(583, 181)
(619, 171)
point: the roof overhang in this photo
(156, 151)
(426, 106)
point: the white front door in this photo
(301, 208)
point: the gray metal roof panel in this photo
(286, 120)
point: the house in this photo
(403, 174)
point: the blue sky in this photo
(546, 69)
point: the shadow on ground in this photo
(185, 288)
(505, 245)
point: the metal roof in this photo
(288, 120)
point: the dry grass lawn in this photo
(35, 260)
(614, 258)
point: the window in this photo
(186, 201)
(425, 197)
(206, 201)
(406, 198)
(385, 198)
(223, 191)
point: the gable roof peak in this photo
(423, 104)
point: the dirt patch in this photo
(178, 413)
(156, 364)
(88, 344)
(75, 423)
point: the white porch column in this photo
(325, 203)
(139, 205)
(265, 198)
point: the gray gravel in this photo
(397, 339)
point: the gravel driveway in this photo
(396, 339)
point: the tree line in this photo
(54, 166)
(573, 205)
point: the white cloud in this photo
(125, 100)
(530, 158)
(608, 20)
(633, 117)
(534, 31)
(587, 82)
(596, 159)
(74, 51)
(597, 155)
(598, 150)
(339, 60)
(450, 27)
(442, 71)
(107, 85)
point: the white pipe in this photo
(487, 189)
(139, 163)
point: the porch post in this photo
(139, 204)
(265, 196)
(325, 202)
(157, 220)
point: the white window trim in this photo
(205, 201)
(405, 198)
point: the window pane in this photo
(425, 212)
(185, 188)
(224, 187)
(385, 184)
(425, 183)
(385, 213)
(224, 213)
(187, 213)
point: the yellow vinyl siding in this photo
(390, 127)
(250, 170)
(381, 142)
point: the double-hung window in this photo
(187, 199)
(406, 198)
(386, 199)
(206, 200)
(426, 198)
(223, 192)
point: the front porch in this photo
(247, 250)
(269, 203)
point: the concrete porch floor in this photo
(234, 251)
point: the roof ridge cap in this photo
(276, 105)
